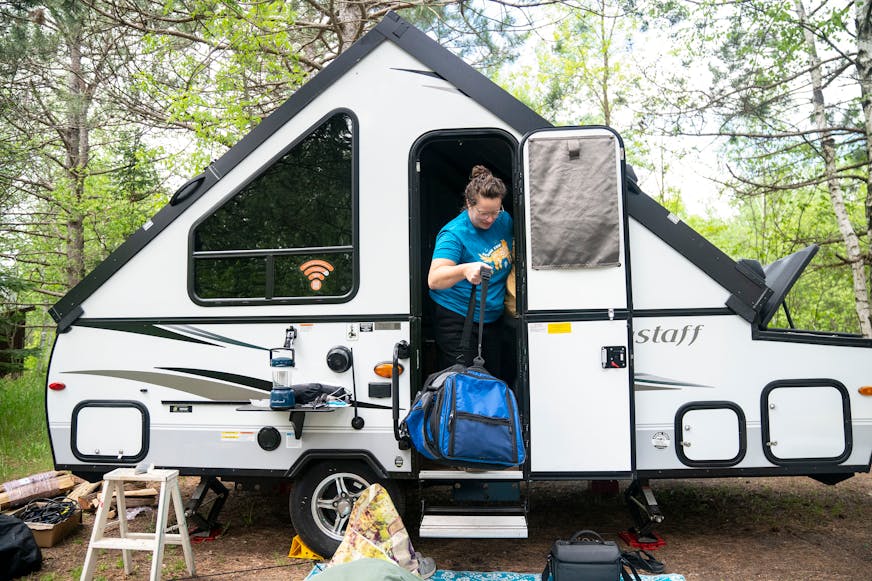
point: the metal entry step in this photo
(473, 526)
(449, 474)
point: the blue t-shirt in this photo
(461, 242)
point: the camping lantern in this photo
(281, 363)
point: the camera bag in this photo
(586, 557)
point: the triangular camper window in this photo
(287, 235)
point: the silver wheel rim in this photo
(332, 502)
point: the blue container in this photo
(282, 398)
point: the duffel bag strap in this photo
(587, 534)
(546, 572)
(466, 335)
(626, 575)
(485, 278)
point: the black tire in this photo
(323, 496)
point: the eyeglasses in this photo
(481, 214)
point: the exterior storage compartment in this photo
(710, 434)
(110, 431)
(805, 420)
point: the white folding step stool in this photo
(113, 482)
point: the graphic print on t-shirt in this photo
(498, 256)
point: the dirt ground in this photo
(720, 529)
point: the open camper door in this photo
(577, 308)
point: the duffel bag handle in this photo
(588, 534)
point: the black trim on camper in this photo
(710, 405)
(616, 475)
(735, 471)
(811, 337)
(92, 403)
(130, 324)
(579, 315)
(846, 421)
(311, 456)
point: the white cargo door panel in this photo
(104, 430)
(573, 212)
(579, 411)
(807, 422)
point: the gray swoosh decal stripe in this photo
(142, 329)
(654, 379)
(192, 385)
(208, 335)
(638, 387)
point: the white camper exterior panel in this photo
(391, 117)
(698, 360)
(664, 279)
(579, 411)
(156, 371)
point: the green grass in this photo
(24, 448)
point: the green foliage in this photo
(766, 228)
(24, 447)
(79, 175)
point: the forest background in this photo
(763, 106)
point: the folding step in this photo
(474, 526)
(449, 474)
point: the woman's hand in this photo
(472, 271)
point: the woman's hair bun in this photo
(479, 172)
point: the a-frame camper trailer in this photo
(641, 350)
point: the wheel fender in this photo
(312, 456)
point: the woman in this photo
(479, 237)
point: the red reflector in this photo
(57, 385)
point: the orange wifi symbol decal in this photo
(316, 271)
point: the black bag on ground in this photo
(19, 554)
(586, 557)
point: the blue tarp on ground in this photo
(443, 575)
(502, 576)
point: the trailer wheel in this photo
(323, 496)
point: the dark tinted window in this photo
(289, 232)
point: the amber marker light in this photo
(865, 390)
(56, 386)
(385, 368)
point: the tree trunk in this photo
(828, 150)
(863, 12)
(606, 46)
(350, 18)
(77, 146)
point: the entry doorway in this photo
(441, 166)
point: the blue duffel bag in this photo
(464, 416)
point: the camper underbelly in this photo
(710, 397)
(180, 395)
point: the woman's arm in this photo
(446, 273)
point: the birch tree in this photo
(783, 98)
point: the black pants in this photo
(448, 328)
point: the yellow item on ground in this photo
(299, 550)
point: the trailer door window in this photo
(287, 235)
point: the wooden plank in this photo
(42, 489)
